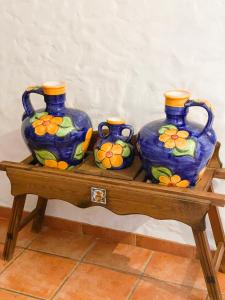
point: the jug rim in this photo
(177, 94)
(54, 88)
(115, 121)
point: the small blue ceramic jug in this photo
(113, 150)
(57, 136)
(175, 152)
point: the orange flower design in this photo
(174, 138)
(110, 155)
(47, 124)
(62, 165)
(87, 140)
(174, 180)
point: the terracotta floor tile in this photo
(119, 256)
(176, 269)
(4, 263)
(158, 290)
(221, 279)
(179, 270)
(90, 282)
(25, 236)
(37, 274)
(5, 295)
(64, 243)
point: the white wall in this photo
(117, 57)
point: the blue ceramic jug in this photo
(175, 152)
(113, 150)
(58, 137)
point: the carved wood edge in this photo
(198, 193)
(145, 190)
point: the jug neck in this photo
(114, 129)
(55, 104)
(176, 115)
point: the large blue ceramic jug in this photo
(58, 137)
(113, 150)
(175, 152)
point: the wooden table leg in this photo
(13, 227)
(218, 232)
(39, 218)
(207, 264)
(217, 228)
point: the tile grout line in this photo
(81, 260)
(21, 293)
(52, 254)
(171, 282)
(140, 277)
(16, 257)
(88, 250)
(65, 280)
(175, 283)
(8, 264)
(73, 270)
(78, 262)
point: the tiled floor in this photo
(62, 265)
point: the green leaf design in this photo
(70, 168)
(119, 142)
(43, 155)
(126, 151)
(32, 119)
(79, 152)
(79, 157)
(63, 131)
(67, 122)
(65, 127)
(166, 127)
(188, 150)
(160, 171)
(95, 156)
(41, 114)
(38, 116)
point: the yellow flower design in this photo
(110, 155)
(86, 142)
(62, 165)
(174, 180)
(47, 124)
(174, 138)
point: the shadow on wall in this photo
(12, 146)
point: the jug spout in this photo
(55, 97)
(175, 106)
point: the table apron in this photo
(120, 199)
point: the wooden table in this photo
(123, 192)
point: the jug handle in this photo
(100, 130)
(207, 106)
(29, 110)
(127, 138)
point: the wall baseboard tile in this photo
(114, 235)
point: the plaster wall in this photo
(117, 57)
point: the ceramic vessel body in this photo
(57, 136)
(174, 151)
(114, 151)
